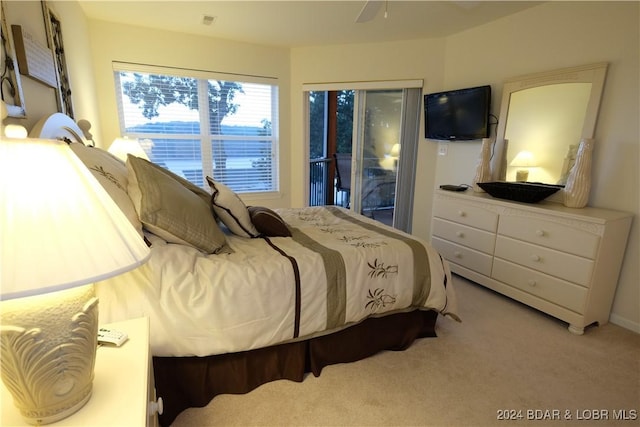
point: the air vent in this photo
(208, 19)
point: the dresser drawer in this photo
(466, 214)
(545, 260)
(468, 236)
(466, 257)
(541, 285)
(550, 234)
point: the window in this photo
(197, 124)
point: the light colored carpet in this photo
(503, 357)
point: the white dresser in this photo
(562, 261)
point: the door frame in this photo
(358, 86)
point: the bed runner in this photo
(296, 275)
(421, 270)
(335, 269)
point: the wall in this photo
(40, 99)
(572, 34)
(552, 35)
(113, 42)
(75, 33)
(417, 59)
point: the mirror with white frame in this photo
(543, 118)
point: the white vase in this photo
(576, 191)
(483, 169)
(503, 164)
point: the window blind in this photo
(196, 126)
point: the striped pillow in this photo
(231, 210)
(170, 210)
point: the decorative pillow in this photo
(206, 197)
(231, 210)
(111, 173)
(170, 210)
(268, 222)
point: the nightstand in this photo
(123, 388)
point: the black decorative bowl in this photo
(527, 192)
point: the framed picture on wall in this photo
(11, 87)
(54, 40)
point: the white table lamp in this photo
(15, 131)
(524, 161)
(59, 230)
(390, 161)
(120, 147)
(395, 151)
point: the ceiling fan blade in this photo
(369, 10)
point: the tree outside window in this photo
(232, 140)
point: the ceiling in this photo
(305, 22)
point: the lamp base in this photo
(42, 419)
(48, 349)
(522, 175)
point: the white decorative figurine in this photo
(576, 191)
(483, 170)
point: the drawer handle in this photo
(532, 283)
(540, 233)
(156, 407)
(462, 213)
(457, 254)
(459, 234)
(535, 258)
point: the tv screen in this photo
(461, 114)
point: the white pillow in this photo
(231, 210)
(170, 210)
(111, 173)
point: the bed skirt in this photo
(186, 382)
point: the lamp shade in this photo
(58, 226)
(120, 147)
(15, 131)
(524, 159)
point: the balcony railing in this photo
(321, 190)
(378, 195)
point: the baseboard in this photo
(625, 323)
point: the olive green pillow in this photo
(170, 210)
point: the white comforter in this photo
(202, 304)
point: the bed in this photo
(238, 295)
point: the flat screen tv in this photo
(458, 115)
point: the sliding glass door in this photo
(377, 137)
(370, 126)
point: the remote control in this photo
(449, 187)
(111, 336)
